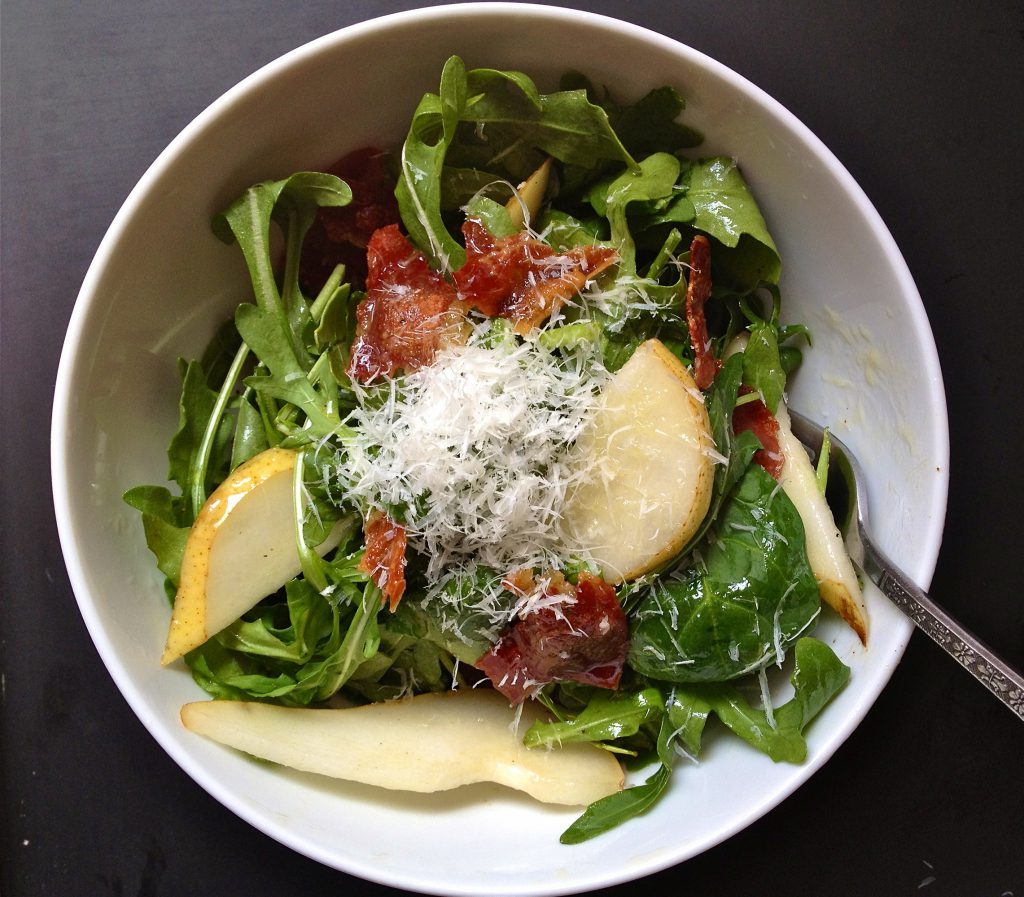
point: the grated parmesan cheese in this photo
(474, 453)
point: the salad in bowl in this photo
(491, 479)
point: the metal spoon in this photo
(999, 677)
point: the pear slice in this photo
(650, 486)
(837, 581)
(240, 549)
(433, 742)
(525, 205)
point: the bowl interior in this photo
(161, 283)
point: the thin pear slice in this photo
(525, 205)
(650, 486)
(240, 549)
(433, 742)
(837, 581)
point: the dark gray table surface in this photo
(922, 101)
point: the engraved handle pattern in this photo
(1000, 678)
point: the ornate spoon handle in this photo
(991, 671)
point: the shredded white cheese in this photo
(475, 452)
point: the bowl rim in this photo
(89, 299)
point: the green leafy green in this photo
(610, 812)
(486, 125)
(422, 161)
(762, 365)
(166, 525)
(607, 717)
(726, 210)
(190, 451)
(649, 125)
(654, 179)
(751, 598)
(818, 675)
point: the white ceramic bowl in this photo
(160, 283)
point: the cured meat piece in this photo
(755, 416)
(407, 315)
(384, 558)
(584, 637)
(522, 279)
(698, 290)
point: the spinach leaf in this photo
(737, 450)
(726, 210)
(688, 713)
(762, 364)
(755, 595)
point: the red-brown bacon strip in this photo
(584, 639)
(756, 416)
(408, 314)
(698, 290)
(522, 279)
(384, 558)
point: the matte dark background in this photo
(921, 100)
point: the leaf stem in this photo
(312, 565)
(201, 461)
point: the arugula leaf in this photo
(197, 450)
(165, 526)
(294, 200)
(493, 215)
(818, 675)
(287, 379)
(563, 231)
(422, 160)
(250, 435)
(647, 126)
(654, 179)
(483, 125)
(310, 618)
(449, 619)
(606, 717)
(609, 812)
